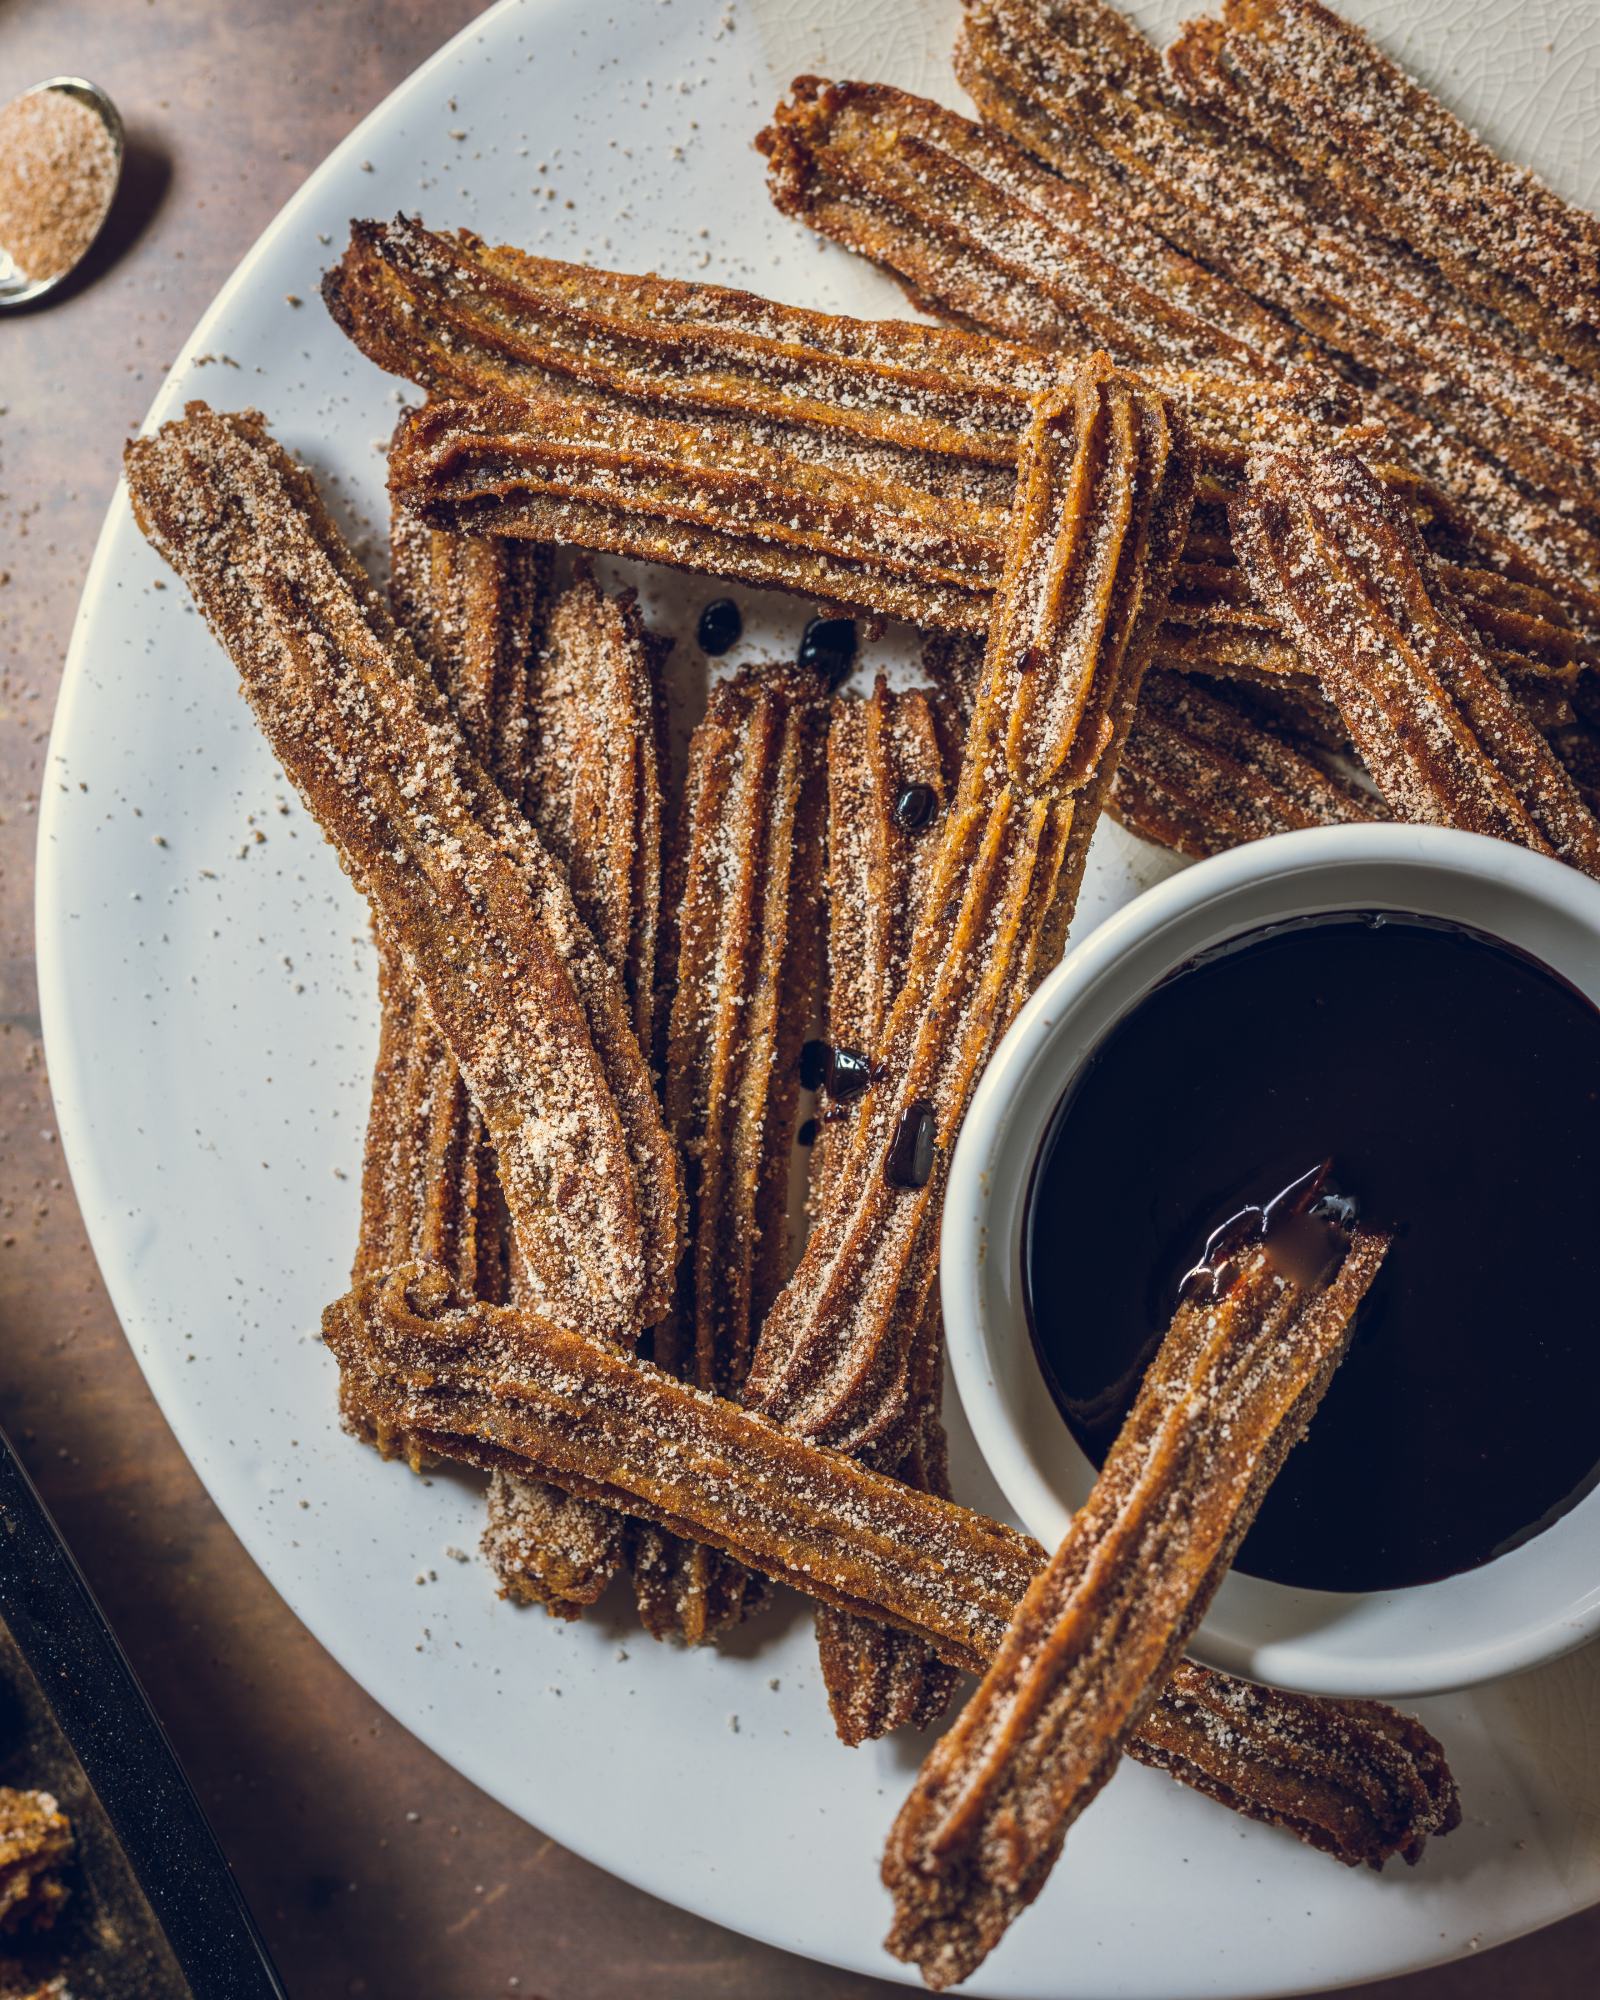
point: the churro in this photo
(592, 788)
(1235, 1382)
(733, 498)
(1039, 71)
(481, 915)
(978, 231)
(464, 319)
(1317, 89)
(890, 765)
(1445, 741)
(1202, 772)
(468, 321)
(724, 432)
(429, 1187)
(1103, 507)
(748, 958)
(728, 496)
(498, 1385)
(836, 164)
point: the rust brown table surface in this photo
(372, 1868)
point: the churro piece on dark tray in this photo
(37, 1845)
(498, 1385)
(1103, 509)
(480, 913)
(1202, 771)
(1445, 740)
(891, 760)
(1236, 1380)
(746, 912)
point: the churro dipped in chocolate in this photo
(479, 912)
(1239, 1375)
(891, 761)
(745, 910)
(593, 791)
(1103, 507)
(498, 1385)
(1203, 771)
(1445, 741)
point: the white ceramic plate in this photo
(209, 1013)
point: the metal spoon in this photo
(16, 288)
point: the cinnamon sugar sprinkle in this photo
(58, 172)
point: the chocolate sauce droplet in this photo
(828, 646)
(1301, 1228)
(814, 1060)
(915, 807)
(720, 626)
(807, 1135)
(910, 1160)
(849, 1073)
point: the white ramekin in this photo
(1532, 1604)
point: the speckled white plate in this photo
(210, 1019)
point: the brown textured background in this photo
(371, 1867)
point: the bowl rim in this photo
(980, 1172)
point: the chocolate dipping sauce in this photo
(1455, 1083)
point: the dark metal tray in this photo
(156, 1913)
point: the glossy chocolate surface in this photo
(1455, 1084)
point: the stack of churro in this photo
(1244, 488)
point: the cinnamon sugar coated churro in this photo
(1006, 241)
(481, 916)
(1230, 1392)
(860, 492)
(1498, 425)
(429, 1184)
(498, 1386)
(745, 987)
(592, 788)
(1104, 498)
(1412, 169)
(1202, 772)
(890, 760)
(1443, 737)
